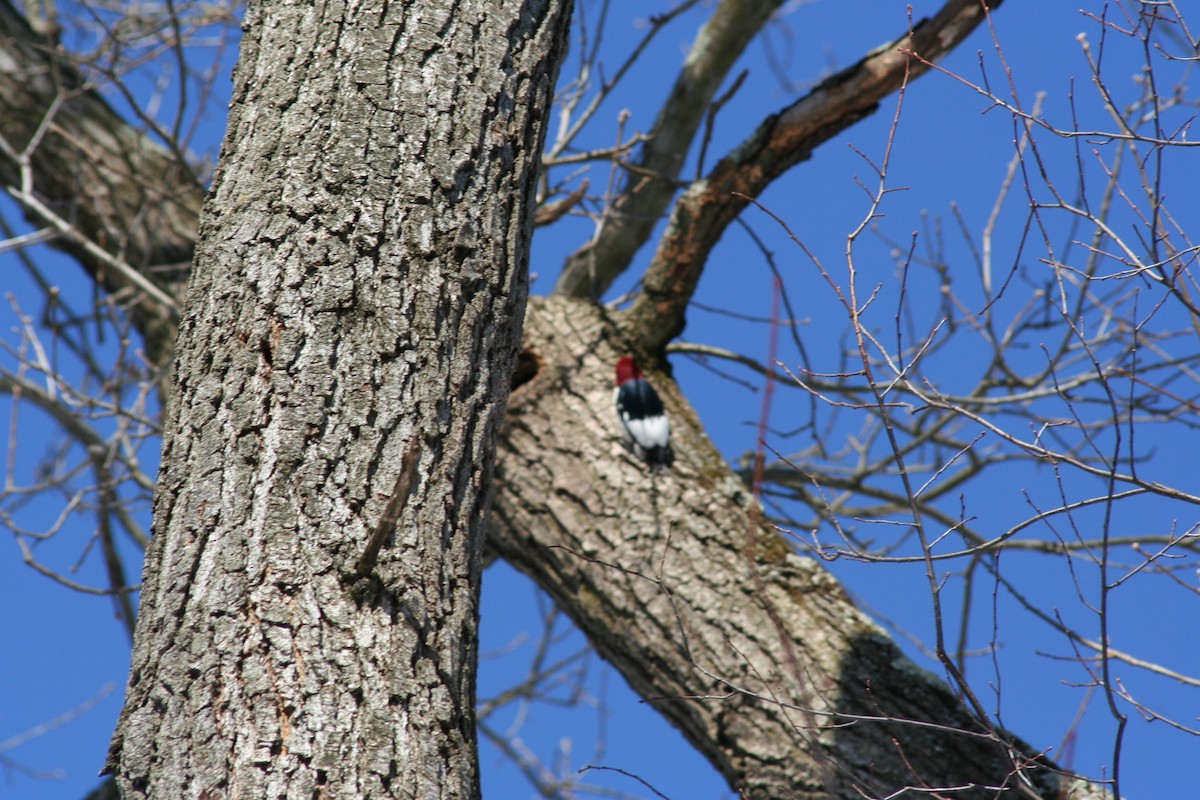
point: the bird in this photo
(644, 422)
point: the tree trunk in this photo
(309, 608)
(339, 320)
(752, 651)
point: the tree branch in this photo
(781, 141)
(129, 200)
(654, 570)
(631, 218)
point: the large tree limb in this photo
(753, 652)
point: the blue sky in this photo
(951, 151)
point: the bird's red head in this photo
(627, 369)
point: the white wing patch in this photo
(644, 423)
(648, 433)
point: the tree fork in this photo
(656, 573)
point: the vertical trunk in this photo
(342, 365)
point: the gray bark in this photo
(255, 655)
(342, 368)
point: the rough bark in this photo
(342, 367)
(718, 623)
(754, 652)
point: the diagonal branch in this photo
(782, 141)
(130, 200)
(590, 270)
(657, 572)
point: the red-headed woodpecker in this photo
(643, 420)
